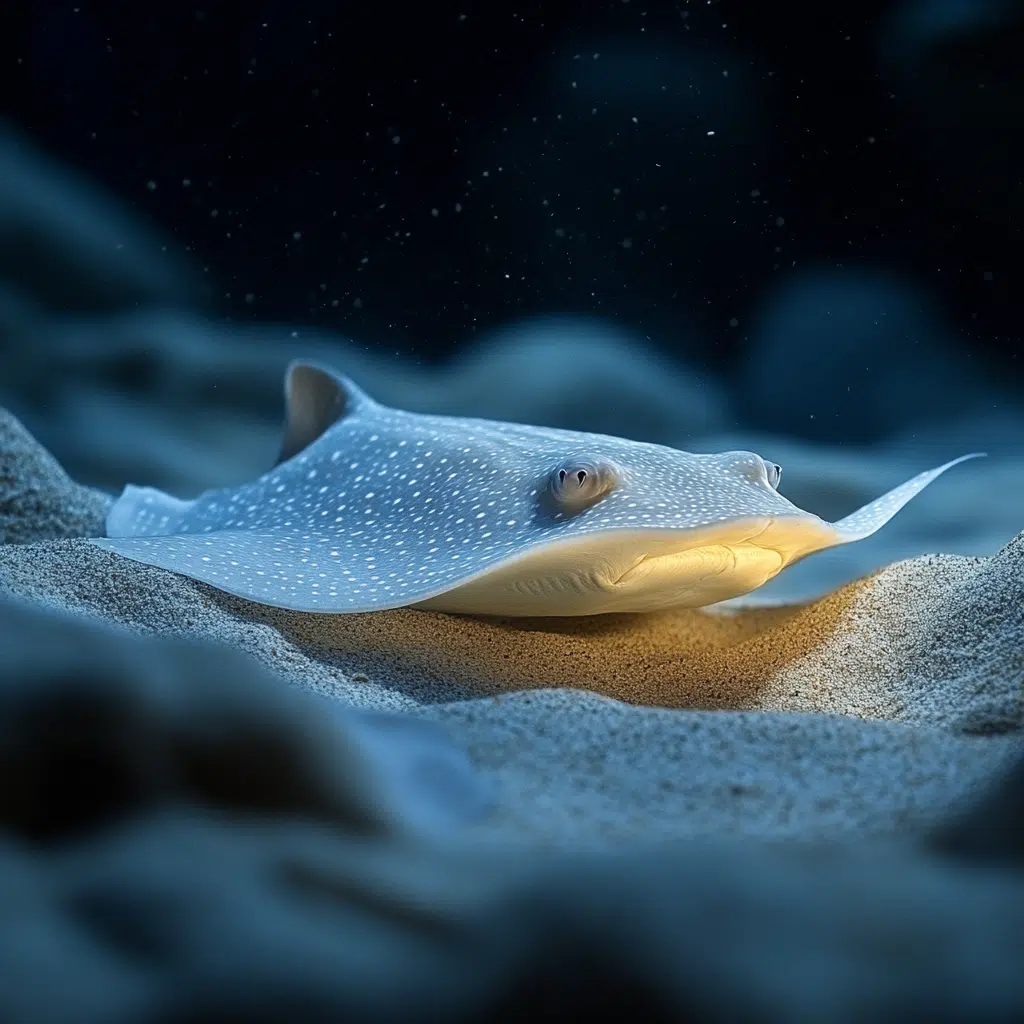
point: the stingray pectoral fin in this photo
(873, 516)
(273, 568)
(143, 511)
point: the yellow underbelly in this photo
(692, 578)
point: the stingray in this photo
(370, 507)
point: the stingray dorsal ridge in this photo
(316, 397)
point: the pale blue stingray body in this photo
(374, 508)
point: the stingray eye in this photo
(750, 467)
(576, 484)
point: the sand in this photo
(873, 711)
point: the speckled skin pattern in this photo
(387, 508)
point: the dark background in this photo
(410, 175)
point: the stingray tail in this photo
(873, 516)
(145, 512)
